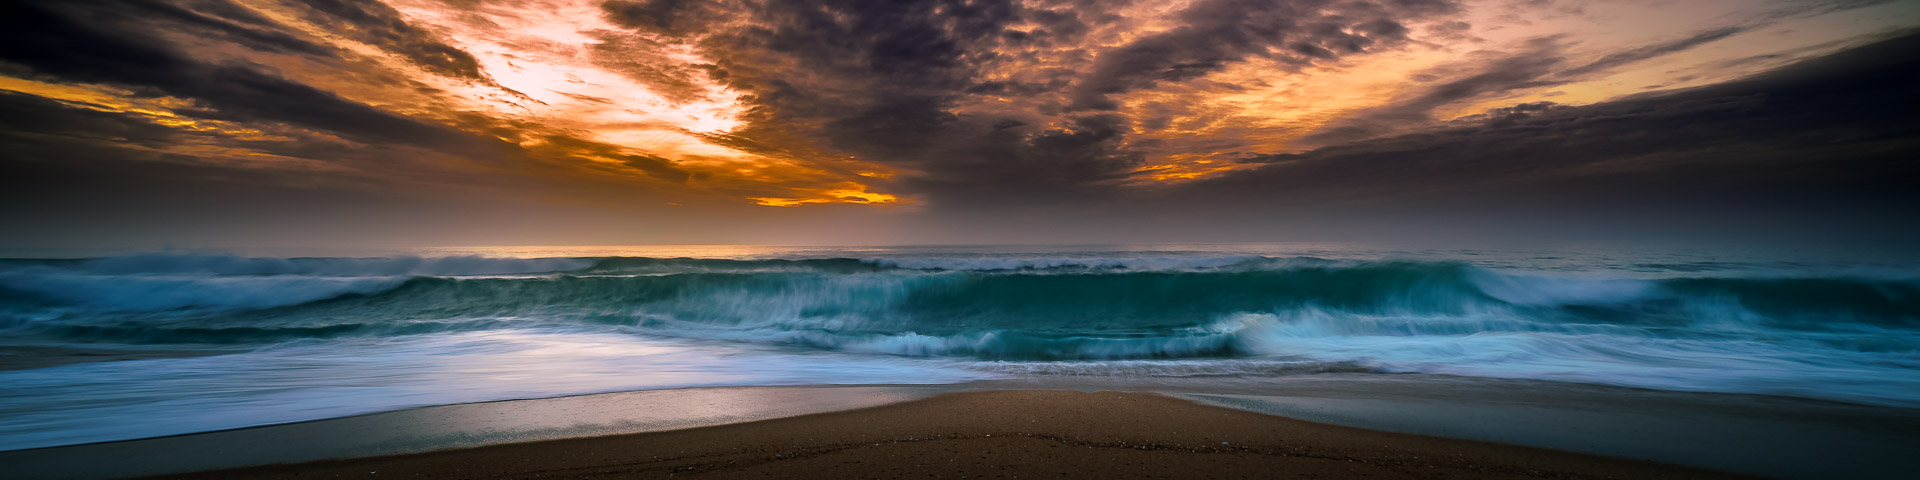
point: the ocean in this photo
(211, 341)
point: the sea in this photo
(207, 340)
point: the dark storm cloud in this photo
(45, 139)
(94, 167)
(77, 176)
(84, 42)
(886, 81)
(877, 79)
(1218, 33)
(667, 17)
(375, 23)
(223, 20)
(25, 118)
(50, 146)
(80, 176)
(1833, 138)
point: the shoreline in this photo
(998, 432)
(1774, 436)
(446, 427)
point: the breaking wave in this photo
(1838, 336)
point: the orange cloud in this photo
(851, 193)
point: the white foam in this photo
(313, 380)
(1505, 346)
(1526, 289)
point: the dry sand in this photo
(1035, 434)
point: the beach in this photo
(959, 239)
(1590, 363)
(1006, 433)
(1392, 426)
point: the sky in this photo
(199, 123)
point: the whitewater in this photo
(274, 339)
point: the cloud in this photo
(1539, 62)
(28, 119)
(667, 17)
(1645, 52)
(225, 20)
(122, 48)
(1827, 140)
(1530, 68)
(1215, 33)
(993, 102)
(1048, 109)
(376, 24)
(1814, 8)
(569, 147)
(81, 176)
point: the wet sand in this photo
(1007, 433)
(444, 427)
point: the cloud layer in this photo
(868, 121)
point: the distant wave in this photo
(170, 264)
(172, 292)
(1075, 307)
(168, 282)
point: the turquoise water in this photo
(305, 337)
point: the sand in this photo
(1005, 434)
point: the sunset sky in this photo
(146, 123)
